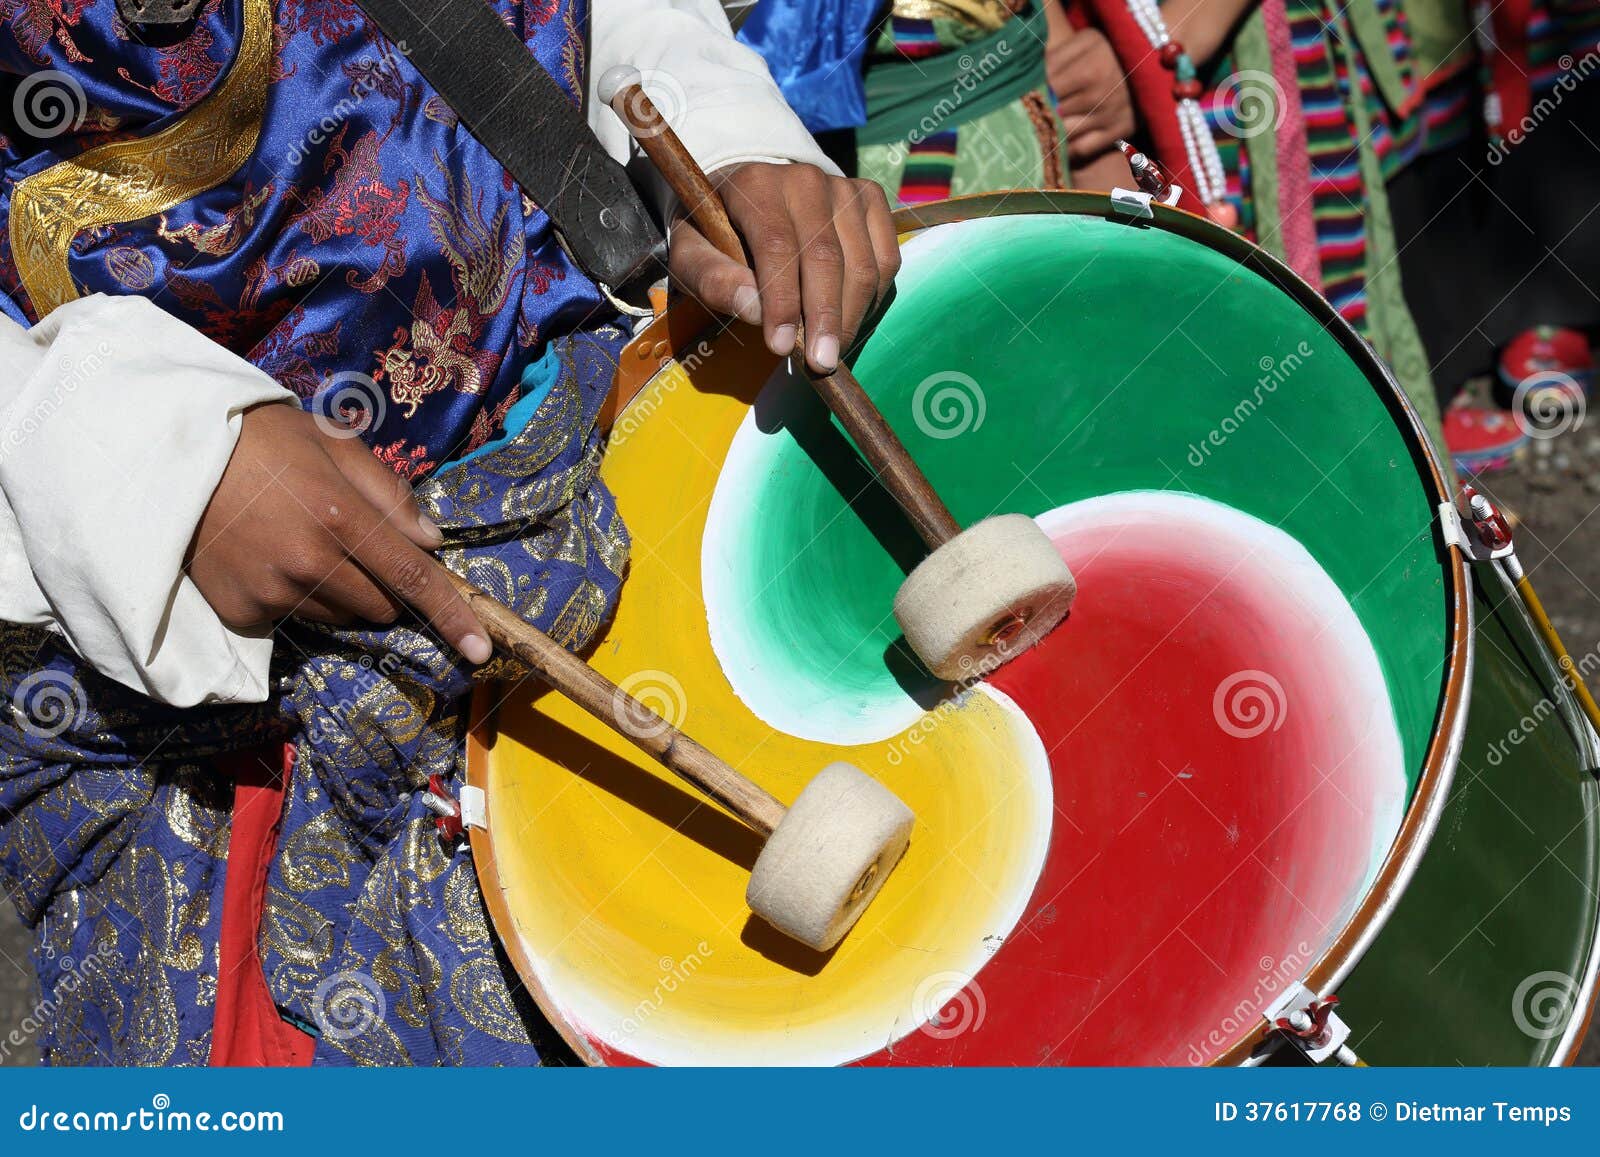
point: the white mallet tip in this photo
(615, 79)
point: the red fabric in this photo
(1508, 64)
(1151, 87)
(247, 1028)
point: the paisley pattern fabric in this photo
(371, 256)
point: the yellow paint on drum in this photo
(627, 891)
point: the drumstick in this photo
(839, 390)
(823, 859)
(603, 699)
(983, 594)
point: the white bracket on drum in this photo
(474, 803)
(1132, 203)
(1470, 542)
(1310, 1023)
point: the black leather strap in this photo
(157, 13)
(519, 113)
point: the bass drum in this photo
(1246, 761)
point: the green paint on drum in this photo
(1033, 361)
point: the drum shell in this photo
(1375, 984)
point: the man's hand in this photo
(824, 249)
(1091, 92)
(309, 524)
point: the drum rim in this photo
(657, 344)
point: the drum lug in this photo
(1310, 1023)
(452, 816)
(1483, 535)
(1151, 178)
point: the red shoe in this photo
(1480, 439)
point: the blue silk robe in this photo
(290, 186)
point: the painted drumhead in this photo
(1129, 839)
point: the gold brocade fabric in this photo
(127, 180)
(988, 15)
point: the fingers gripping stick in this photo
(824, 859)
(983, 594)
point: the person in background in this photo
(1287, 118)
(929, 98)
(1494, 216)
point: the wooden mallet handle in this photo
(607, 702)
(620, 88)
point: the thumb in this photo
(701, 270)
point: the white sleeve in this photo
(116, 422)
(716, 92)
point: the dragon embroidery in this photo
(37, 22)
(359, 204)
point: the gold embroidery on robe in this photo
(127, 180)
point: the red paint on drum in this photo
(1197, 864)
